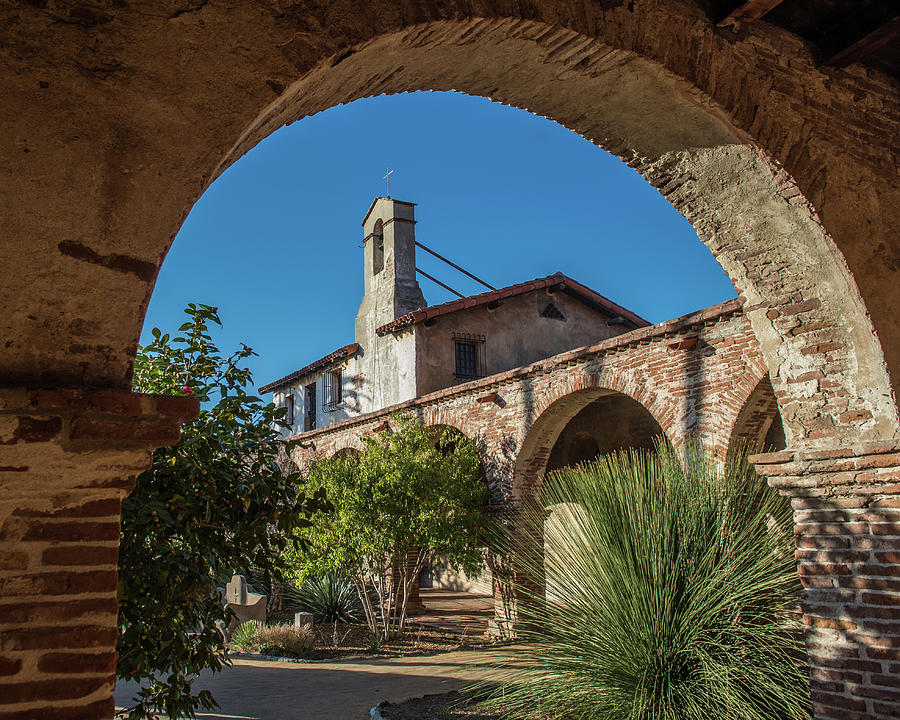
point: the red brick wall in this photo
(847, 518)
(693, 374)
(69, 457)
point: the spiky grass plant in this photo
(244, 636)
(329, 597)
(674, 595)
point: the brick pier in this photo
(68, 459)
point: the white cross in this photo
(388, 178)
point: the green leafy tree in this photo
(675, 594)
(214, 502)
(413, 494)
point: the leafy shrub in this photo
(674, 595)
(330, 598)
(408, 495)
(214, 501)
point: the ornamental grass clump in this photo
(672, 594)
(285, 640)
(276, 639)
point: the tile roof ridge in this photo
(341, 352)
(580, 291)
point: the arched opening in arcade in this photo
(446, 590)
(578, 428)
(612, 423)
(719, 165)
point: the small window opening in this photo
(552, 311)
(309, 416)
(469, 355)
(334, 390)
(289, 404)
(378, 248)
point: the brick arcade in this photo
(780, 148)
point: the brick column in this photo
(67, 459)
(847, 523)
(414, 604)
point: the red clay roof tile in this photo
(565, 284)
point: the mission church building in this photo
(404, 348)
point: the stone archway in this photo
(608, 424)
(555, 436)
(118, 119)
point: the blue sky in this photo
(275, 242)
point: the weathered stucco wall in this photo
(354, 398)
(515, 334)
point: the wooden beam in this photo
(867, 44)
(747, 12)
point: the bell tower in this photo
(389, 265)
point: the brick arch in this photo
(635, 384)
(786, 170)
(449, 417)
(555, 409)
(693, 111)
(346, 449)
(305, 455)
(734, 400)
(453, 428)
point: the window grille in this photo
(333, 390)
(469, 355)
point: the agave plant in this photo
(329, 597)
(672, 593)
